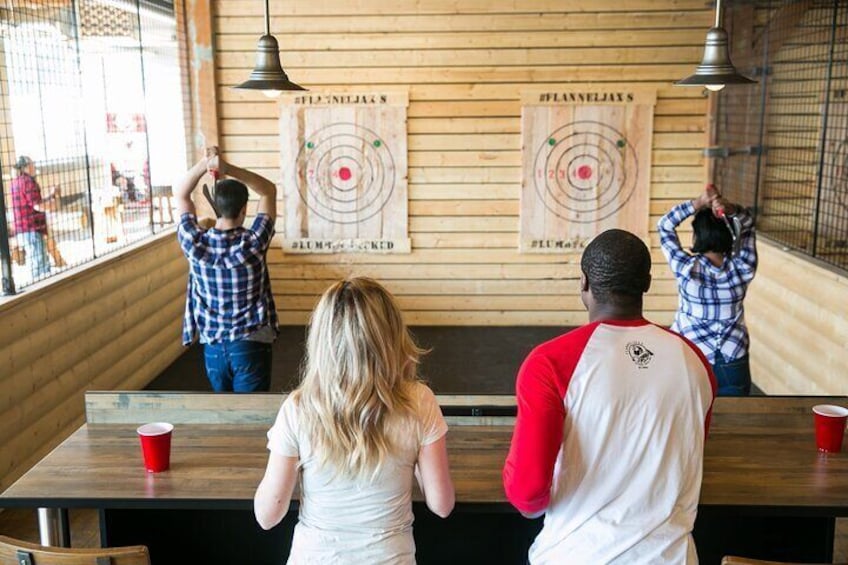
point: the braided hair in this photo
(617, 266)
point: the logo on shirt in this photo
(639, 354)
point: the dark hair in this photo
(711, 233)
(23, 162)
(230, 198)
(617, 266)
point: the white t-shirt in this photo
(609, 443)
(356, 521)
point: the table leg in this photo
(53, 528)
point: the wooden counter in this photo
(760, 457)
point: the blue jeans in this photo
(238, 366)
(36, 253)
(733, 377)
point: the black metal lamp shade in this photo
(268, 74)
(716, 68)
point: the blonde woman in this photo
(356, 431)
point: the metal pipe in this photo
(75, 13)
(761, 133)
(823, 140)
(53, 529)
(8, 280)
(267, 19)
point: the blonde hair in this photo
(355, 397)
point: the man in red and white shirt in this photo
(612, 419)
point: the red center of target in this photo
(584, 171)
(345, 174)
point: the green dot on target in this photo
(552, 141)
(621, 143)
(377, 143)
(309, 145)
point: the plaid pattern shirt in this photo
(710, 311)
(26, 194)
(229, 290)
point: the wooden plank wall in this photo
(464, 64)
(797, 314)
(115, 325)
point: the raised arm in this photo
(266, 189)
(667, 227)
(186, 186)
(746, 256)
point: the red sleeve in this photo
(537, 438)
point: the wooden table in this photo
(760, 464)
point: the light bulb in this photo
(714, 87)
(276, 93)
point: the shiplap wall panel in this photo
(115, 325)
(797, 313)
(464, 64)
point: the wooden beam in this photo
(202, 63)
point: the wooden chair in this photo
(17, 552)
(733, 560)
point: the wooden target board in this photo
(344, 172)
(586, 157)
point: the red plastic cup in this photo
(830, 426)
(156, 445)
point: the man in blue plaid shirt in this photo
(712, 282)
(229, 303)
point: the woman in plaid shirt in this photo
(712, 282)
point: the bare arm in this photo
(434, 477)
(706, 199)
(273, 496)
(266, 189)
(186, 186)
(48, 203)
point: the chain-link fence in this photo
(92, 130)
(784, 141)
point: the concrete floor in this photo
(462, 360)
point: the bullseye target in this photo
(344, 172)
(585, 171)
(347, 173)
(585, 162)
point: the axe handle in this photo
(210, 200)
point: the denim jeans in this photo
(238, 366)
(733, 377)
(36, 253)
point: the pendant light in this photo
(716, 69)
(268, 74)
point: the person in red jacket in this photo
(30, 217)
(609, 437)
